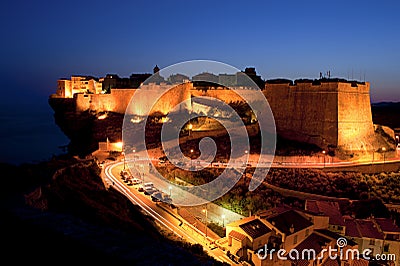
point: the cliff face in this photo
(85, 129)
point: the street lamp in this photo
(384, 150)
(223, 220)
(206, 212)
(324, 152)
(170, 188)
(190, 128)
(397, 139)
(191, 157)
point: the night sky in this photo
(43, 41)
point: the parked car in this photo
(136, 181)
(150, 191)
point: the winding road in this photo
(163, 215)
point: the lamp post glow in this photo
(190, 128)
(384, 150)
(223, 220)
(324, 152)
(170, 188)
(191, 159)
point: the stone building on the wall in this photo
(66, 88)
(330, 113)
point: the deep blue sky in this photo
(46, 40)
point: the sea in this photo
(28, 134)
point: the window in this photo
(372, 242)
(295, 239)
(386, 248)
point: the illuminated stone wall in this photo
(116, 101)
(119, 99)
(332, 113)
(355, 126)
(152, 99)
(77, 84)
(227, 96)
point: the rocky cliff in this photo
(85, 129)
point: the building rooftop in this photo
(362, 228)
(255, 228)
(336, 236)
(290, 218)
(351, 228)
(369, 229)
(327, 208)
(236, 235)
(387, 225)
(330, 262)
(314, 241)
(313, 81)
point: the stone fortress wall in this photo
(336, 114)
(328, 114)
(118, 99)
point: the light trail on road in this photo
(146, 208)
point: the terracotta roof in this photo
(351, 228)
(362, 228)
(311, 205)
(315, 242)
(360, 262)
(302, 263)
(284, 221)
(327, 208)
(312, 242)
(237, 235)
(387, 225)
(330, 262)
(335, 236)
(255, 228)
(368, 229)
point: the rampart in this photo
(328, 114)
(118, 100)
